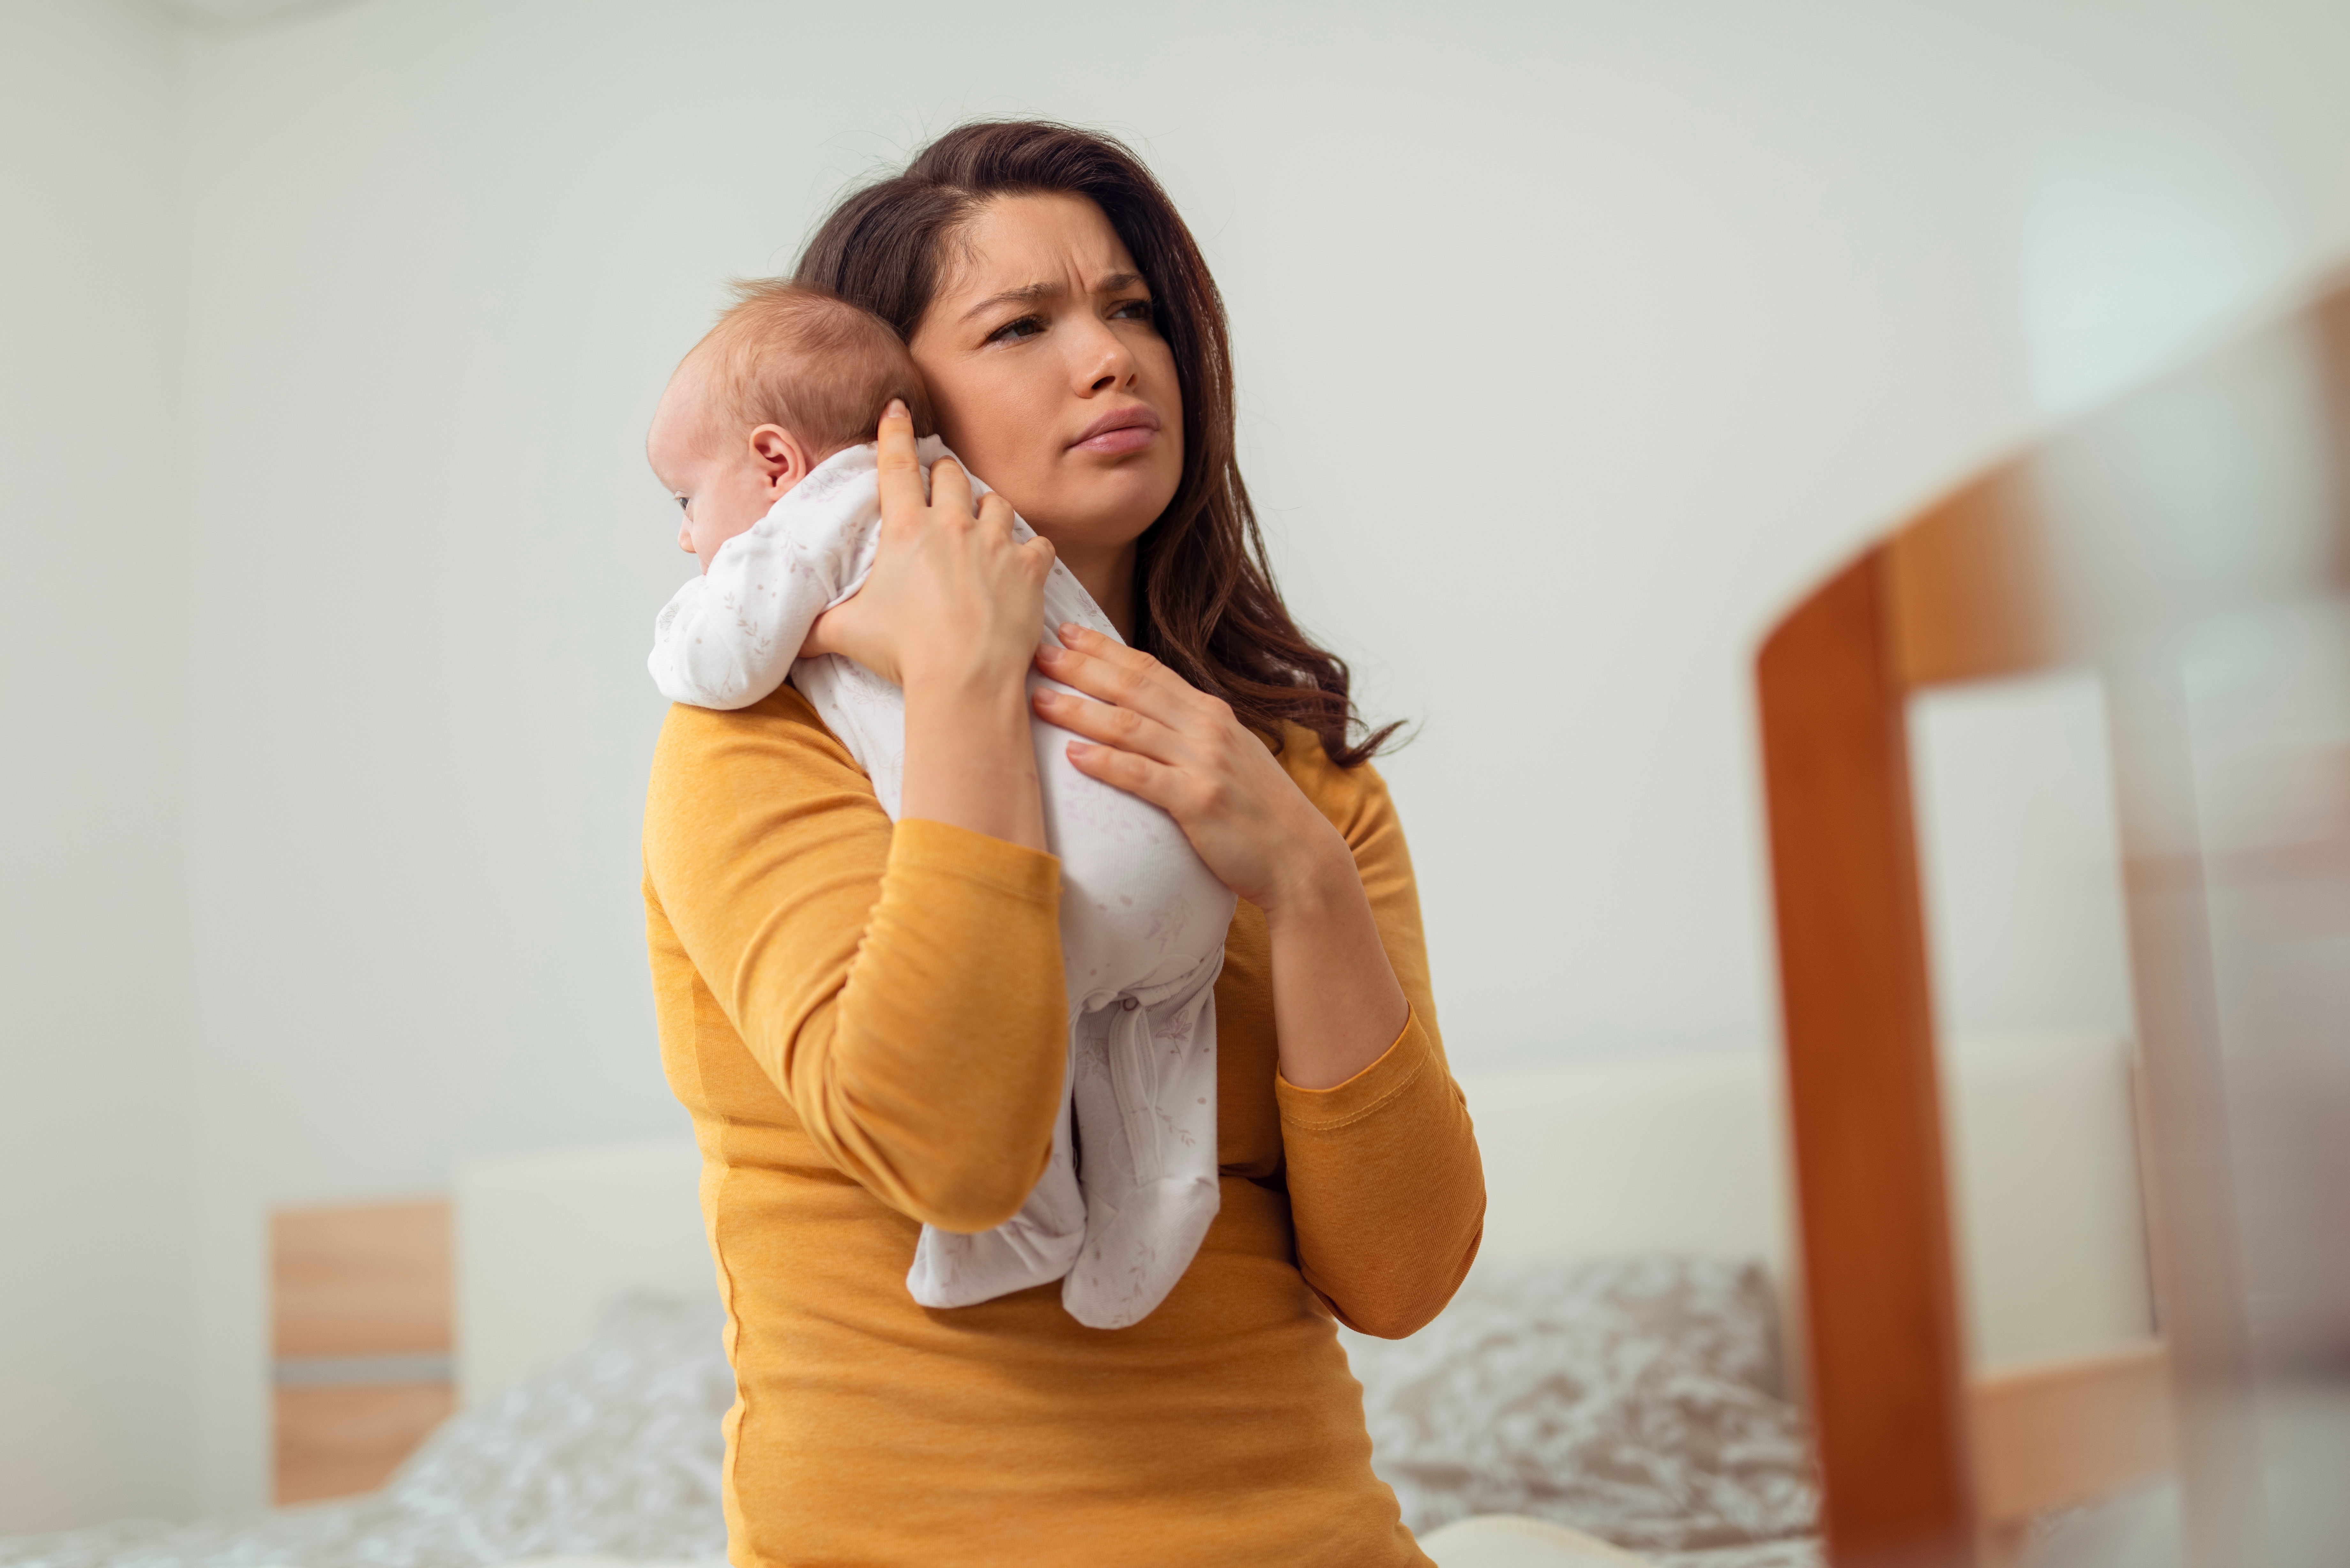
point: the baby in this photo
(765, 438)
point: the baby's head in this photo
(788, 376)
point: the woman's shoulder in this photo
(782, 722)
(775, 748)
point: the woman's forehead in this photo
(1014, 242)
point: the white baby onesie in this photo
(1131, 1186)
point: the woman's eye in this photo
(1011, 331)
(1132, 310)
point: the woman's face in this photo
(1050, 379)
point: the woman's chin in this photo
(1107, 505)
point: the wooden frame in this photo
(2215, 492)
(361, 1313)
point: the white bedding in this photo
(613, 1452)
(1635, 1399)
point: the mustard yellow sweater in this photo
(867, 1025)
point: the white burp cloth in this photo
(1132, 1184)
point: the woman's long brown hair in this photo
(1208, 607)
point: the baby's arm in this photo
(728, 637)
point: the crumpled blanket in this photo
(1634, 1398)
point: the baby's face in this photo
(724, 479)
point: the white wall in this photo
(1574, 339)
(95, 1146)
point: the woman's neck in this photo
(1108, 575)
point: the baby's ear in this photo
(781, 455)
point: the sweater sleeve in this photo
(901, 986)
(1385, 1184)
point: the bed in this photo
(1617, 1361)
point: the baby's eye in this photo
(682, 502)
(1013, 331)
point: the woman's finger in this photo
(994, 511)
(1107, 669)
(1138, 775)
(1110, 725)
(949, 487)
(902, 499)
(1035, 553)
(1128, 661)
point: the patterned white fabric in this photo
(1131, 1186)
(1634, 1398)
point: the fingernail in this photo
(1071, 628)
(1046, 650)
(896, 411)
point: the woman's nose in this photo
(1106, 362)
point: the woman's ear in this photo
(782, 457)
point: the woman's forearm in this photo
(969, 760)
(1337, 1006)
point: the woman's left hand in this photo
(1153, 734)
(1335, 1002)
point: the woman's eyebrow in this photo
(1029, 294)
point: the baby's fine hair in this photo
(785, 354)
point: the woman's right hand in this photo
(952, 597)
(954, 612)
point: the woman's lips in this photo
(1120, 431)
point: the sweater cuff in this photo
(941, 849)
(1341, 1105)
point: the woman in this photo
(868, 1027)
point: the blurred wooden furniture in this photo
(2213, 493)
(361, 1314)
